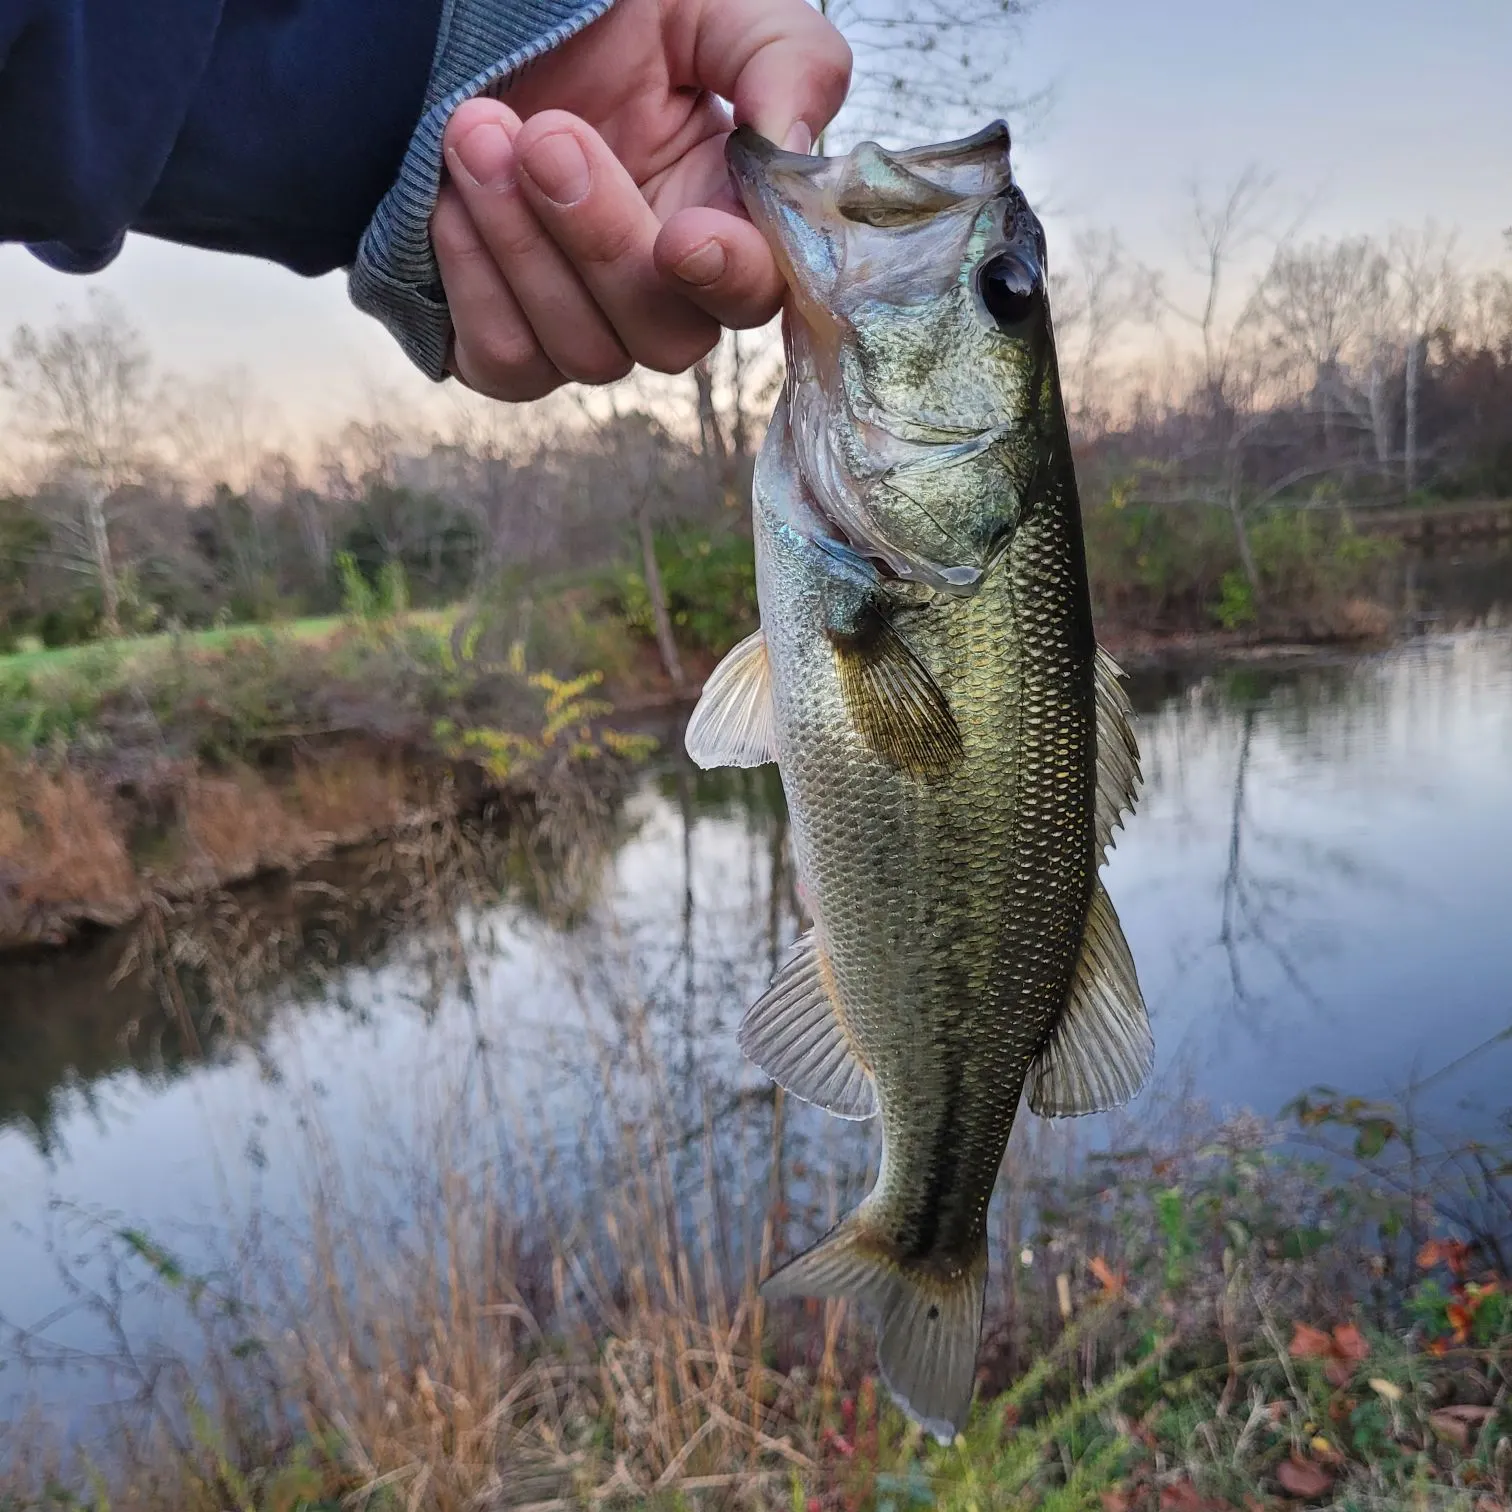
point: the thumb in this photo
(779, 62)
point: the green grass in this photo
(130, 648)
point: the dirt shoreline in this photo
(102, 859)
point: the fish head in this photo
(921, 364)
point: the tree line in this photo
(1357, 369)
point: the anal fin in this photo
(734, 724)
(1101, 1051)
(796, 1034)
(928, 1315)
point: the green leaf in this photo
(1299, 1243)
(1373, 1137)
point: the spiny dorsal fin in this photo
(897, 707)
(928, 1315)
(734, 723)
(796, 1034)
(1101, 1050)
(1117, 754)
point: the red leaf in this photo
(1350, 1343)
(1302, 1478)
(1116, 1501)
(1182, 1497)
(1310, 1343)
(1112, 1281)
(1337, 1374)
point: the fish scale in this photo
(953, 747)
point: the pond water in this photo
(1315, 887)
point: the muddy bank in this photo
(77, 857)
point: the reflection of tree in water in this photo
(1317, 766)
(1254, 906)
(190, 983)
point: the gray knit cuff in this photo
(482, 43)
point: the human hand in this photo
(589, 223)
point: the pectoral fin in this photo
(734, 724)
(896, 705)
(1117, 753)
(1101, 1051)
(796, 1034)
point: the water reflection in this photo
(1314, 889)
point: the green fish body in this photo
(954, 748)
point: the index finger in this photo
(779, 63)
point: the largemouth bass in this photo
(955, 749)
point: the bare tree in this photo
(1317, 304)
(1426, 269)
(219, 429)
(82, 387)
(1231, 370)
(932, 67)
(1101, 292)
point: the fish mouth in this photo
(807, 208)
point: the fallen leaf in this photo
(1337, 1373)
(1455, 1423)
(1310, 1343)
(1302, 1478)
(1116, 1501)
(1112, 1281)
(1350, 1343)
(1467, 1412)
(1387, 1389)
(1183, 1496)
(1451, 1252)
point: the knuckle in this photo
(452, 236)
(678, 354)
(498, 355)
(514, 233)
(607, 365)
(606, 242)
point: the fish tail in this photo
(928, 1314)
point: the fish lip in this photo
(752, 157)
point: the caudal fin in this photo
(928, 1315)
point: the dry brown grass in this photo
(236, 825)
(65, 851)
(352, 797)
(61, 849)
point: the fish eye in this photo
(1012, 287)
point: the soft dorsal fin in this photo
(734, 724)
(896, 705)
(1101, 1050)
(1117, 753)
(796, 1034)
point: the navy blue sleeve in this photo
(268, 127)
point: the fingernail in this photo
(702, 265)
(799, 139)
(485, 155)
(557, 167)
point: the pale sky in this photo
(1370, 113)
